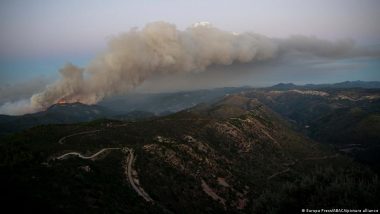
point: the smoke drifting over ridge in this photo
(160, 48)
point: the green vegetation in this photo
(237, 150)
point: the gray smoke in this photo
(22, 90)
(15, 98)
(160, 48)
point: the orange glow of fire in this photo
(61, 101)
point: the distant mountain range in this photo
(346, 84)
(140, 106)
(65, 114)
(243, 153)
(164, 103)
(129, 107)
(231, 150)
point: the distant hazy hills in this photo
(346, 84)
(231, 150)
(56, 114)
(234, 155)
(65, 114)
(129, 107)
(346, 118)
(140, 106)
(164, 103)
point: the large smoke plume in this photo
(160, 48)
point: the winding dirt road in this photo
(130, 173)
(278, 173)
(132, 180)
(306, 159)
(323, 157)
(62, 140)
(82, 156)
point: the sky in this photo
(37, 37)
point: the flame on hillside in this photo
(67, 101)
(61, 101)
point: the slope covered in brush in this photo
(233, 156)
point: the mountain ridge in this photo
(342, 85)
(232, 156)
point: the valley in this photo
(235, 155)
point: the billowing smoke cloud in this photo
(15, 98)
(19, 107)
(159, 48)
(22, 90)
(318, 47)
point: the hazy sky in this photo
(38, 36)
